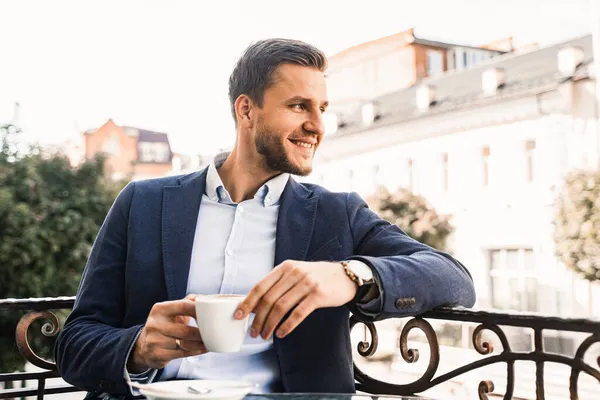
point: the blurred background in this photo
(473, 125)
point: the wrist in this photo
(361, 276)
(136, 363)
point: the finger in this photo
(170, 343)
(190, 346)
(282, 306)
(174, 308)
(191, 297)
(269, 299)
(162, 357)
(179, 331)
(257, 292)
(304, 309)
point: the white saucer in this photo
(178, 390)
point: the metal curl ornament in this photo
(49, 329)
(412, 355)
(364, 348)
(579, 355)
(485, 387)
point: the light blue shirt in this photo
(234, 248)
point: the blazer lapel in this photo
(181, 204)
(295, 223)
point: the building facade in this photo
(396, 62)
(489, 145)
(132, 153)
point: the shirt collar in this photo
(269, 193)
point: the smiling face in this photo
(289, 125)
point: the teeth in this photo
(303, 144)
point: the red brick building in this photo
(132, 152)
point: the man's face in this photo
(289, 125)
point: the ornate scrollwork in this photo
(486, 348)
(581, 365)
(412, 355)
(49, 329)
(485, 387)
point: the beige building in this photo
(490, 145)
(398, 61)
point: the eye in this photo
(299, 106)
(322, 110)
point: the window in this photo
(513, 279)
(529, 154)
(411, 175)
(111, 146)
(154, 152)
(452, 60)
(435, 62)
(376, 179)
(485, 165)
(445, 171)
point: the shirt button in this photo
(240, 209)
(229, 252)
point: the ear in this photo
(243, 110)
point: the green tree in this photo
(577, 224)
(50, 214)
(414, 215)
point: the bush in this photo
(50, 214)
(577, 223)
(414, 215)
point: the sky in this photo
(164, 64)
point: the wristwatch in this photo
(358, 272)
(361, 274)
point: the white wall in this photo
(510, 212)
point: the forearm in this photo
(421, 281)
(92, 356)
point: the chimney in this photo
(492, 79)
(569, 58)
(425, 97)
(370, 113)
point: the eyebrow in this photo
(301, 99)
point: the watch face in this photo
(361, 270)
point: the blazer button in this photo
(413, 301)
(400, 303)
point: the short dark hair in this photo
(253, 72)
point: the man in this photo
(306, 257)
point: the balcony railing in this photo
(39, 309)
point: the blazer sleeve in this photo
(91, 350)
(414, 277)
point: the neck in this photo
(243, 174)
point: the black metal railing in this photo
(490, 321)
(38, 309)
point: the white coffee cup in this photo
(220, 331)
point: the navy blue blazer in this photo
(142, 254)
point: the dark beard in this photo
(270, 145)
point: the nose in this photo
(315, 124)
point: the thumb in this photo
(191, 297)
